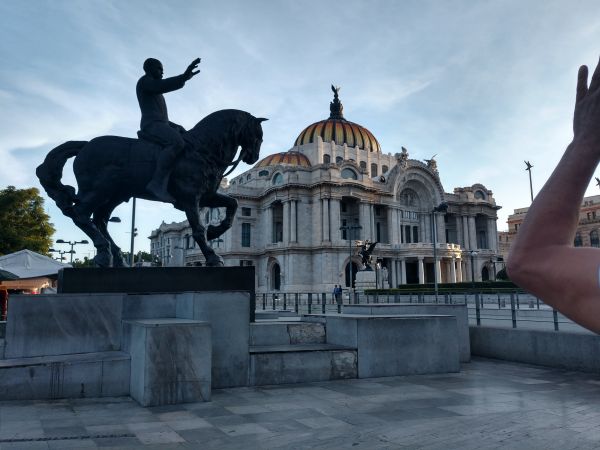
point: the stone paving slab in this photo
(490, 404)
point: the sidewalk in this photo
(490, 404)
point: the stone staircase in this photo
(297, 352)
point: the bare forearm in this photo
(554, 215)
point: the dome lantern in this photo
(339, 130)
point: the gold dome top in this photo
(339, 130)
(290, 158)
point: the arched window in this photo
(363, 165)
(339, 160)
(277, 179)
(263, 173)
(384, 169)
(373, 170)
(276, 277)
(578, 242)
(594, 239)
(479, 195)
(349, 173)
(249, 176)
(326, 159)
(485, 274)
(408, 197)
(354, 270)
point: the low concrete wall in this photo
(43, 325)
(572, 351)
(457, 310)
(397, 345)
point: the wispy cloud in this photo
(484, 85)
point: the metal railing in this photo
(515, 309)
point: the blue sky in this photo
(482, 84)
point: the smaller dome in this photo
(290, 158)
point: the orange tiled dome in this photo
(339, 130)
(289, 158)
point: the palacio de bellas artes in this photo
(304, 212)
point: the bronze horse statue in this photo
(111, 169)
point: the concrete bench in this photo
(459, 311)
(390, 345)
(301, 363)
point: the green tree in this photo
(23, 222)
(86, 262)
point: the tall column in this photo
(402, 271)
(459, 230)
(267, 226)
(392, 273)
(293, 222)
(326, 229)
(425, 228)
(372, 225)
(286, 223)
(438, 270)
(334, 220)
(441, 228)
(399, 226)
(492, 235)
(453, 270)
(466, 242)
(421, 271)
(495, 223)
(459, 271)
(392, 228)
(365, 221)
(472, 233)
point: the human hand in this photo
(190, 71)
(586, 119)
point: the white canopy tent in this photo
(35, 271)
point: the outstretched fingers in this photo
(582, 88)
(595, 83)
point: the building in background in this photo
(587, 234)
(299, 213)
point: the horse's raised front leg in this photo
(221, 201)
(199, 234)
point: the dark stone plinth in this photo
(158, 280)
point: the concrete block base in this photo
(301, 364)
(104, 374)
(290, 333)
(170, 360)
(365, 279)
(398, 345)
(458, 311)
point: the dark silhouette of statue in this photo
(155, 124)
(336, 109)
(366, 250)
(110, 170)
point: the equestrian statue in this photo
(167, 164)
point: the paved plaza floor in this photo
(489, 404)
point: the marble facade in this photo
(293, 207)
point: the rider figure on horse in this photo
(155, 122)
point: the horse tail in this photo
(50, 174)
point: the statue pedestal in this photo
(365, 279)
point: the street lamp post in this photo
(133, 234)
(442, 207)
(477, 311)
(72, 244)
(348, 229)
(60, 253)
